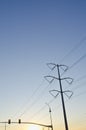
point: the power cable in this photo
(75, 63)
(81, 78)
(78, 79)
(74, 48)
(34, 102)
(79, 60)
(33, 94)
(51, 102)
(41, 109)
(71, 51)
(82, 93)
(30, 98)
(58, 106)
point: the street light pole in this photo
(50, 115)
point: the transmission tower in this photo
(52, 66)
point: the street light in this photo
(50, 115)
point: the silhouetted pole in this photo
(52, 66)
(62, 98)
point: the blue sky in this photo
(33, 33)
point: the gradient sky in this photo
(33, 33)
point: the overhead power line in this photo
(34, 102)
(76, 62)
(74, 48)
(42, 108)
(29, 99)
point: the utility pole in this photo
(52, 66)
